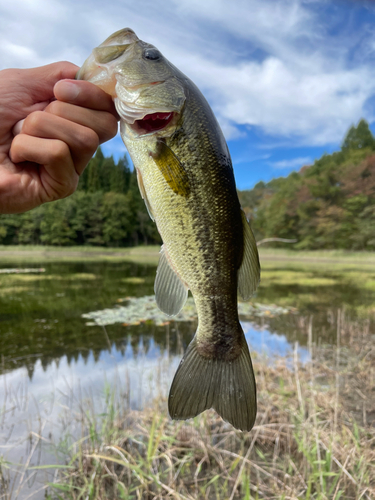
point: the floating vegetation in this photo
(248, 309)
(17, 270)
(141, 309)
(134, 280)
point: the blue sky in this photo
(286, 78)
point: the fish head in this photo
(148, 94)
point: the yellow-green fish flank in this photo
(186, 179)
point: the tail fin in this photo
(227, 386)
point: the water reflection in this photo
(271, 345)
(37, 407)
(40, 315)
(42, 409)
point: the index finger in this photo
(84, 94)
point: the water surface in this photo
(54, 364)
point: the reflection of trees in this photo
(134, 342)
(30, 369)
(172, 338)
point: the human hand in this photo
(49, 130)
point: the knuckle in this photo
(63, 189)
(109, 127)
(106, 126)
(33, 122)
(88, 140)
(71, 186)
(61, 151)
(55, 107)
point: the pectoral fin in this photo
(249, 272)
(170, 292)
(142, 190)
(172, 169)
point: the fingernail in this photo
(67, 90)
(17, 127)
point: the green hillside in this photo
(106, 210)
(330, 204)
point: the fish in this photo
(186, 180)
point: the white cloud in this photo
(292, 164)
(249, 158)
(272, 65)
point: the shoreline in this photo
(150, 254)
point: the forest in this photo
(106, 210)
(327, 205)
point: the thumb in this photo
(41, 80)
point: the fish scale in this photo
(186, 178)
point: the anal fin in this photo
(170, 292)
(249, 272)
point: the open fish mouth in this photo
(153, 122)
(148, 108)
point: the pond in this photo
(58, 358)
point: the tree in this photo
(359, 137)
(55, 228)
(93, 227)
(29, 231)
(94, 175)
(120, 176)
(118, 223)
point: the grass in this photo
(365, 258)
(314, 438)
(30, 253)
(150, 254)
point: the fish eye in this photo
(151, 54)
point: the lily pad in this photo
(137, 310)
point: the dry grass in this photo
(314, 438)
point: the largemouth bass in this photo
(186, 179)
